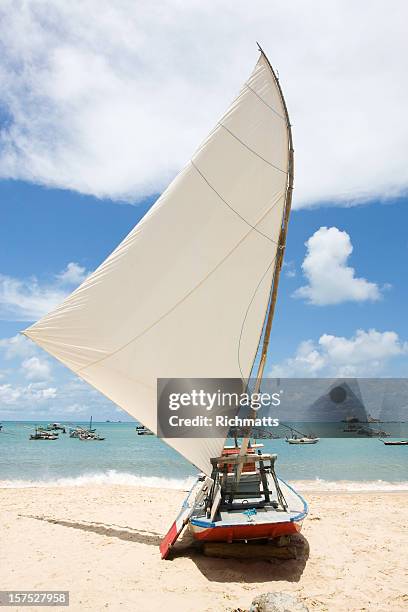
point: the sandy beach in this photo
(101, 544)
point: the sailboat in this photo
(90, 429)
(191, 292)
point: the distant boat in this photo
(395, 442)
(297, 437)
(74, 432)
(141, 430)
(90, 436)
(306, 440)
(371, 419)
(1, 426)
(42, 434)
(82, 433)
(90, 426)
(56, 427)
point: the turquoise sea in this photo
(126, 458)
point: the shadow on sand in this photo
(214, 569)
(110, 530)
(245, 570)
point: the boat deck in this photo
(249, 506)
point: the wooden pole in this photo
(279, 258)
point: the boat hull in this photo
(303, 441)
(251, 523)
(243, 532)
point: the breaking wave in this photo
(110, 477)
(349, 485)
(113, 477)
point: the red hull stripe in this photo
(174, 532)
(246, 532)
(168, 541)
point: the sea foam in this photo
(113, 477)
(110, 477)
(349, 485)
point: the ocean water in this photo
(126, 458)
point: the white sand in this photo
(101, 544)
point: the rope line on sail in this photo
(233, 209)
(180, 301)
(220, 124)
(266, 104)
(246, 316)
(252, 151)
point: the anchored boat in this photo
(56, 427)
(191, 291)
(297, 437)
(141, 430)
(42, 434)
(90, 436)
(304, 440)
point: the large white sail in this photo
(185, 294)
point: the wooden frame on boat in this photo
(227, 469)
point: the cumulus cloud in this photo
(74, 274)
(330, 279)
(35, 368)
(28, 299)
(17, 346)
(26, 388)
(25, 396)
(111, 99)
(367, 353)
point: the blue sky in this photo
(44, 230)
(102, 103)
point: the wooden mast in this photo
(279, 258)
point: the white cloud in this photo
(74, 274)
(111, 99)
(289, 269)
(330, 279)
(78, 410)
(367, 353)
(48, 393)
(28, 299)
(35, 368)
(25, 396)
(9, 394)
(26, 391)
(17, 346)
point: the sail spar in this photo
(184, 295)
